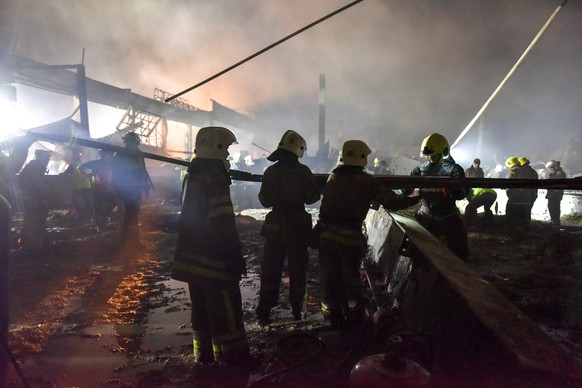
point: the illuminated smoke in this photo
(395, 70)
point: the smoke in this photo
(395, 71)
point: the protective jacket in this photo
(438, 212)
(556, 193)
(129, 175)
(474, 172)
(529, 173)
(208, 244)
(554, 197)
(347, 197)
(440, 203)
(287, 186)
(517, 196)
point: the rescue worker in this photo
(480, 197)
(131, 181)
(347, 197)
(102, 188)
(528, 172)
(517, 209)
(438, 212)
(208, 252)
(287, 187)
(82, 196)
(381, 167)
(475, 171)
(33, 198)
(554, 196)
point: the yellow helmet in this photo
(523, 160)
(434, 144)
(512, 162)
(355, 153)
(293, 142)
(213, 143)
(376, 160)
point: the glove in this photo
(444, 192)
(441, 191)
(410, 201)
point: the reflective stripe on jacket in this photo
(208, 244)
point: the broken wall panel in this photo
(476, 334)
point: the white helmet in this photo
(355, 153)
(553, 164)
(213, 143)
(293, 142)
(290, 141)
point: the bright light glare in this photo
(9, 122)
(461, 156)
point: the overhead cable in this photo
(264, 50)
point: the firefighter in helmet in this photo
(33, 196)
(208, 252)
(528, 172)
(287, 187)
(517, 209)
(347, 196)
(131, 182)
(554, 196)
(438, 212)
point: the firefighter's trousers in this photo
(217, 322)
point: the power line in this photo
(264, 50)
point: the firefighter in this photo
(485, 197)
(33, 198)
(528, 172)
(554, 196)
(82, 195)
(131, 182)
(287, 187)
(347, 197)
(102, 189)
(208, 252)
(517, 209)
(438, 212)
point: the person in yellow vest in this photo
(82, 196)
(208, 253)
(480, 197)
(347, 196)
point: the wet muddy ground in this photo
(85, 313)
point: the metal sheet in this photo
(530, 344)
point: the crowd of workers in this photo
(97, 187)
(208, 252)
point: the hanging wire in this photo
(513, 69)
(264, 50)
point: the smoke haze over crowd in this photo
(395, 70)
